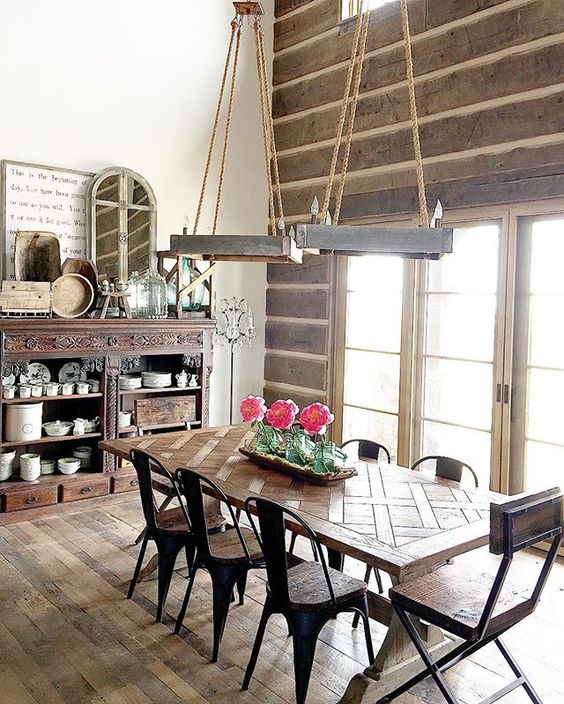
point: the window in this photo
(351, 7)
(372, 349)
(463, 356)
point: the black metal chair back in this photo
(189, 484)
(518, 524)
(272, 540)
(448, 468)
(369, 449)
(147, 467)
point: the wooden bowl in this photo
(73, 295)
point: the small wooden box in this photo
(26, 298)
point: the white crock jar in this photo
(23, 421)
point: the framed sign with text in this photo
(43, 199)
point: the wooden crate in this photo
(26, 298)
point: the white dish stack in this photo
(7, 463)
(156, 380)
(130, 382)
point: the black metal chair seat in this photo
(308, 591)
(455, 597)
(173, 521)
(227, 549)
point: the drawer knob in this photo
(134, 482)
(31, 500)
(85, 490)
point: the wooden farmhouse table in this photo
(401, 522)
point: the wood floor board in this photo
(68, 635)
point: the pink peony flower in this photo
(315, 419)
(282, 414)
(253, 408)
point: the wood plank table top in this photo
(400, 521)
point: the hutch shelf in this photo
(105, 349)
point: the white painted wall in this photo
(134, 83)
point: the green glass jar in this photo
(299, 449)
(268, 440)
(328, 458)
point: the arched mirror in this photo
(122, 221)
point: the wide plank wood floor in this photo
(69, 636)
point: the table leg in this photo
(396, 662)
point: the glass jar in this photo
(137, 295)
(268, 440)
(154, 289)
(299, 449)
(328, 458)
(193, 301)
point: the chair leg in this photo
(223, 581)
(304, 651)
(190, 556)
(138, 565)
(182, 612)
(266, 614)
(167, 560)
(379, 580)
(292, 543)
(363, 613)
(241, 586)
(367, 574)
(518, 672)
(432, 668)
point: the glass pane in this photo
(377, 273)
(546, 390)
(547, 336)
(544, 466)
(471, 446)
(374, 323)
(108, 189)
(458, 392)
(371, 425)
(372, 380)
(107, 241)
(473, 266)
(461, 326)
(138, 241)
(546, 256)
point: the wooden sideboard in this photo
(104, 349)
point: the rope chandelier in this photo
(324, 235)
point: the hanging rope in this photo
(343, 116)
(227, 131)
(365, 20)
(414, 118)
(270, 122)
(235, 25)
(265, 135)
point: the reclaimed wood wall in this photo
(490, 91)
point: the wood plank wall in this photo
(490, 90)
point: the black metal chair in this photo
(448, 468)
(369, 449)
(308, 595)
(227, 556)
(477, 609)
(167, 528)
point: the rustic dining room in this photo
(281, 362)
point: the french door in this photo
(464, 356)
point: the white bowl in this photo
(68, 465)
(58, 428)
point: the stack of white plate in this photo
(130, 382)
(156, 380)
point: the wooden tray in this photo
(282, 465)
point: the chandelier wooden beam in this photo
(359, 240)
(243, 248)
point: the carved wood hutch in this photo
(104, 349)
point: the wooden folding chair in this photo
(474, 608)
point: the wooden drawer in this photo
(84, 488)
(34, 497)
(124, 482)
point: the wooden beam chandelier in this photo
(323, 235)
